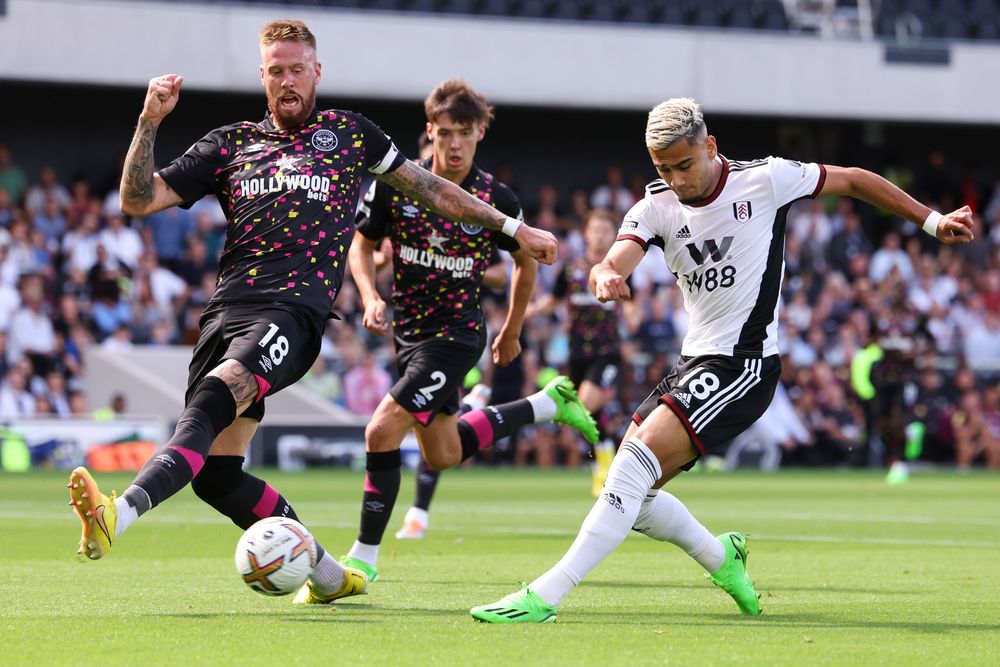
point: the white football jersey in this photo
(727, 251)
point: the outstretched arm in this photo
(951, 228)
(608, 278)
(143, 191)
(451, 201)
(507, 345)
(361, 258)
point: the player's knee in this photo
(440, 460)
(214, 398)
(382, 436)
(221, 476)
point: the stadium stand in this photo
(887, 19)
(69, 284)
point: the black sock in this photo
(245, 499)
(427, 479)
(210, 411)
(381, 489)
(479, 429)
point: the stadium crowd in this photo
(76, 273)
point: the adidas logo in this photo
(684, 233)
(683, 398)
(615, 501)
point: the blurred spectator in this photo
(47, 187)
(365, 385)
(12, 178)
(848, 243)
(196, 262)
(50, 222)
(15, 399)
(6, 209)
(974, 439)
(79, 246)
(813, 229)
(890, 257)
(982, 340)
(81, 201)
(321, 381)
(120, 340)
(167, 231)
(547, 445)
(31, 334)
(56, 395)
(121, 241)
(168, 289)
(612, 195)
(22, 251)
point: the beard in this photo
(291, 119)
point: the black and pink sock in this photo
(245, 499)
(479, 429)
(210, 411)
(381, 488)
(427, 479)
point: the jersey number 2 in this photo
(439, 380)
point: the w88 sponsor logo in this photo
(711, 278)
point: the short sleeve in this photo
(794, 180)
(561, 288)
(507, 203)
(373, 218)
(640, 225)
(194, 174)
(381, 155)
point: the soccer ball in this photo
(276, 555)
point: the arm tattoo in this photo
(137, 176)
(443, 196)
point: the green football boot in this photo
(524, 606)
(370, 571)
(569, 410)
(732, 577)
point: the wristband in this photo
(931, 223)
(510, 227)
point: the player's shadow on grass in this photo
(648, 585)
(729, 620)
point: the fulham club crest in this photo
(742, 211)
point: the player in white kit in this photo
(721, 225)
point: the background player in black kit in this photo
(438, 325)
(289, 186)
(594, 341)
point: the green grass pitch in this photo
(852, 572)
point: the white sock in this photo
(666, 519)
(366, 552)
(328, 575)
(417, 514)
(633, 473)
(126, 515)
(543, 406)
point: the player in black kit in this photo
(594, 341)
(288, 186)
(438, 325)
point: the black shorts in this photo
(602, 371)
(277, 342)
(715, 397)
(431, 373)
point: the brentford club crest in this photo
(742, 211)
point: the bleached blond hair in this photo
(677, 118)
